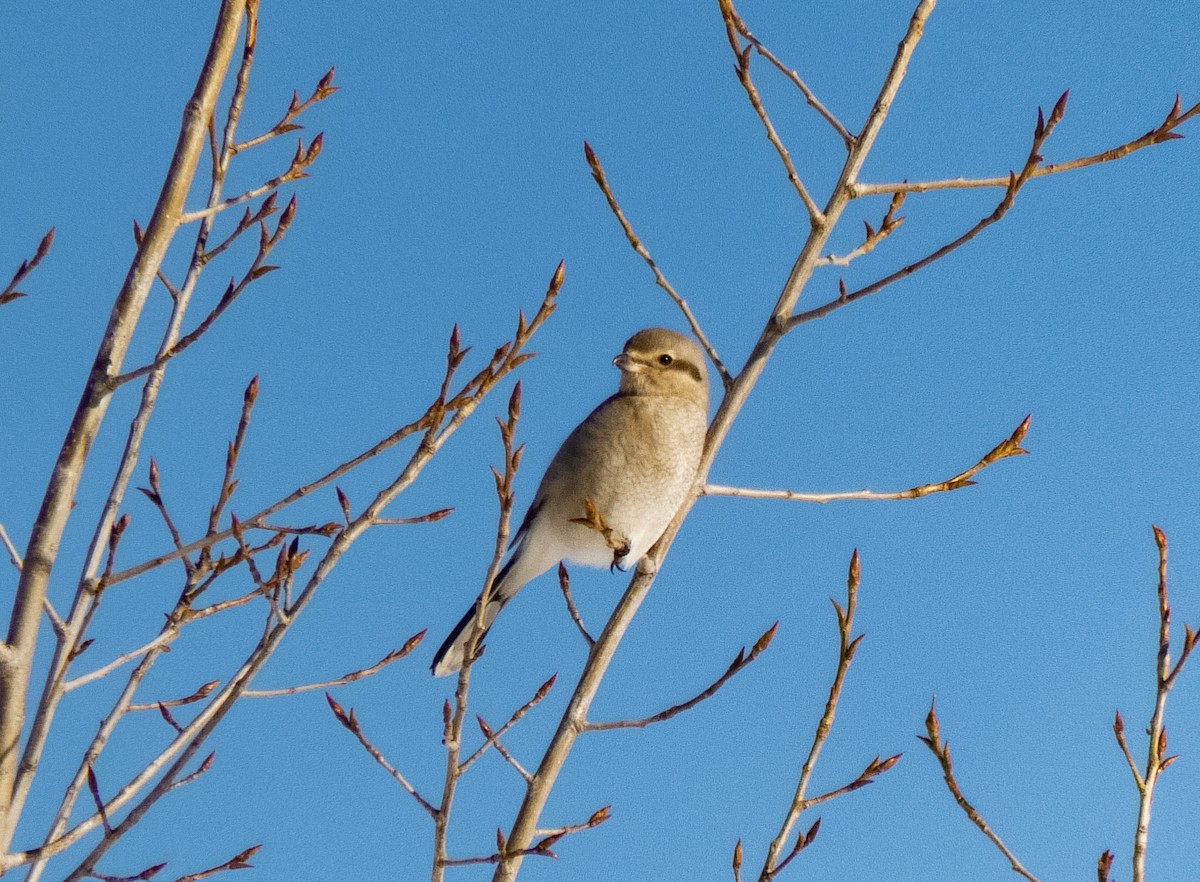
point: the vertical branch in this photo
(1165, 676)
(453, 720)
(17, 657)
(847, 645)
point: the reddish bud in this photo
(48, 239)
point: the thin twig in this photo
(847, 646)
(1010, 446)
(394, 656)
(10, 291)
(202, 692)
(1119, 732)
(350, 722)
(741, 661)
(14, 556)
(1016, 181)
(1165, 675)
(742, 69)
(941, 750)
(1163, 132)
(494, 740)
(239, 861)
(541, 693)
(847, 138)
(301, 159)
(564, 585)
(661, 280)
(873, 236)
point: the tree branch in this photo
(1010, 446)
(1163, 132)
(941, 750)
(642, 252)
(741, 661)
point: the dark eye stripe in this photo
(688, 367)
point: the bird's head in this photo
(658, 361)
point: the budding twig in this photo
(741, 67)
(1010, 446)
(394, 656)
(941, 750)
(659, 279)
(1042, 130)
(1165, 131)
(740, 661)
(350, 722)
(10, 291)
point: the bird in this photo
(616, 481)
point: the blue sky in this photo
(451, 183)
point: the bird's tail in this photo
(449, 657)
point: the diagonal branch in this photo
(659, 279)
(350, 722)
(736, 20)
(1015, 183)
(741, 67)
(741, 661)
(941, 750)
(541, 693)
(10, 292)
(564, 585)
(873, 237)
(394, 656)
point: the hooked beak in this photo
(627, 364)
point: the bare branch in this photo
(736, 20)
(94, 788)
(462, 404)
(239, 861)
(148, 873)
(941, 750)
(642, 252)
(323, 90)
(741, 67)
(10, 291)
(1165, 675)
(350, 722)
(541, 693)
(202, 692)
(494, 740)
(873, 237)
(420, 519)
(847, 646)
(301, 159)
(394, 656)
(1042, 131)
(14, 556)
(1162, 133)
(564, 585)
(1010, 446)
(16, 765)
(741, 661)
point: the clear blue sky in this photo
(451, 183)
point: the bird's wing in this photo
(558, 462)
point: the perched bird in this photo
(633, 459)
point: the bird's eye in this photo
(665, 359)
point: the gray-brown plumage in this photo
(635, 457)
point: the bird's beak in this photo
(627, 364)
